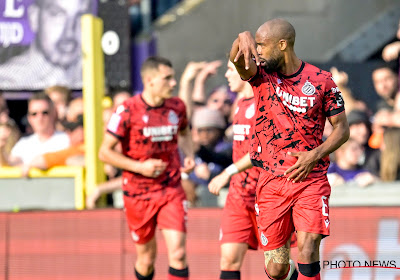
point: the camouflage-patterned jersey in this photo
(149, 132)
(244, 183)
(290, 116)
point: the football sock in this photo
(229, 274)
(178, 274)
(141, 277)
(309, 271)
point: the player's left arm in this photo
(186, 145)
(307, 160)
(218, 182)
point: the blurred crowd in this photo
(54, 134)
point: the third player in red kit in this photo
(293, 100)
(238, 230)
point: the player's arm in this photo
(340, 134)
(186, 145)
(307, 160)
(218, 182)
(242, 53)
(108, 154)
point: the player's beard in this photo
(271, 65)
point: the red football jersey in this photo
(243, 183)
(290, 116)
(149, 132)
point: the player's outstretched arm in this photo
(218, 182)
(242, 53)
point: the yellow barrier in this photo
(76, 172)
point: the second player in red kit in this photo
(148, 126)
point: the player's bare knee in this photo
(277, 261)
(178, 255)
(309, 248)
(230, 262)
(146, 260)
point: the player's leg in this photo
(278, 264)
(232, 255)
(171, 220)
(140, 216)
(238, 233)
(146, 255)
(275, 226)
(308, 257)
(313, 203)
(176, 247)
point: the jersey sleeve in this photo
(119, 121)
(333, 100)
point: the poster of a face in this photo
(51, 32)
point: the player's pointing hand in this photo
(247, 48)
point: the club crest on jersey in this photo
(135, 237)
(250, 111)
(145, 118)
(264, 239)
(308, 88)
(172, 117)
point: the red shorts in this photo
(168, 210)
(238, 223)
(284, 206)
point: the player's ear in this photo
(33, 17)
(282, 44)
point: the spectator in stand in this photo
(360, 130)
(386, 85)
(73, 155)
(212, 152)
(75, 109)
(42, 117)
(61, 96)
(386, 163)
(119, 97)
(219, 99)
(390, 157)
(392, 51)
(346, 169)
(341, 79)
(186, 87)
(9, 135)
(4, 112)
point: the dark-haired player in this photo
(148, 126)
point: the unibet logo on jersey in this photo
(295, 103)
(160, 133)
(240, 131)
